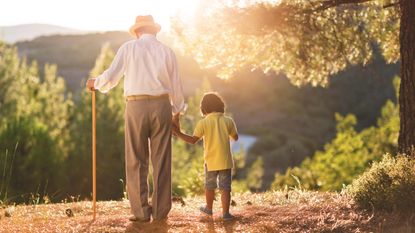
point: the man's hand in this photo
(176, 120)
(175, 131)
(90, 84)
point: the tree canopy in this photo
(307, 40)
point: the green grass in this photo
(6, 175)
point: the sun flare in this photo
(94, 15)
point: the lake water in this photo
(245, 142)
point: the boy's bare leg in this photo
(226, 200)
(210, 196)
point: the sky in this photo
(93, 15)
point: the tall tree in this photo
(407, 89)
(308, 40)
(33, 120)
(110, 138)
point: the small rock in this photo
(179, 199)
(249, 203)
(233, 203)
(69, 213)
(8, 212)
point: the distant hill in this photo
(75, 55)
(12, 34)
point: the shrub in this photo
(255, 174)
(388, 185)
(36, 165)
(348, 155)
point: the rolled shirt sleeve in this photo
(199, 130)
(176, 95)
(110, 77)
(232, 128)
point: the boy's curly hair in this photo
(212, 102)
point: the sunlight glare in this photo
(94, 15)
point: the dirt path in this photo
(270, 212)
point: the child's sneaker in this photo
(206, 210)
(228, 217)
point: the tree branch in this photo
(390, 5)
(324, 5)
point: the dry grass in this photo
(296, 211)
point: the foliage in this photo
(188, 170)
(6, 174)
(387, 185)
(37, 163)
(188, 162)
(348, 155)
(54, 135)
(255, 175)
(300, 121)
(33, 115)
(110, 138)
(299, 38)
(26, 93)
(80, 52)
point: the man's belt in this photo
(146, 97)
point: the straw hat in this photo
(142, 21)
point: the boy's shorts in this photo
(220, 178)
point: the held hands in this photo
(175, 130)
(176, 124)
(90, 84)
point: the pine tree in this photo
(110, 138)
(33, 125)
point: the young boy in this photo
(215, 129)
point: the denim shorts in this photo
(221, 179)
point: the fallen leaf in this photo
(69, 213)
(8, 212)
(179, 199)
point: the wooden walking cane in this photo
(94, 157)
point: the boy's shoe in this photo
(137, 219)
(228, 217)
(206, 210)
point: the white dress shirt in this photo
(150, 68)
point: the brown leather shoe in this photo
(160, 220)
(137, 219)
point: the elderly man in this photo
(154, 96)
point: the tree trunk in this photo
(406, 139)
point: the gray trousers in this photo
(148, 135)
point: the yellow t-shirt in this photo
(215, 129)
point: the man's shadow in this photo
(154, 226)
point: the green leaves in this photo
(33, 114)
(348, 155)
(291, 37)
(110, 138)
(388, 185)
